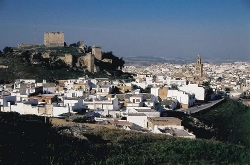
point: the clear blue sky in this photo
(183, 28)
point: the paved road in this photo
(201, 107)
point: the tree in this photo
(206, 83)
(219, 79)
(174, 87)
(121, 63)
(116, 91)
(227, 89)
(89, 49)
(7, 50)
(146, 90)
(26, 56)
(73, 45)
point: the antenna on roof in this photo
(35, 33)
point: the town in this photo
(140, 104)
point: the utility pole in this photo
(35, 33)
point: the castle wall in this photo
(81, 45)
(22, 45)
(89, 62)
(67, 58)
(52, 39)
(97, 52)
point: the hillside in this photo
(228, 122)
(30, 141)
(22, 63)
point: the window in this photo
(138, 100)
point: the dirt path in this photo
(63, 122)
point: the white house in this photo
(185, 99)
(111, 104)
(197, 90)
(74, 104)
(135, 101)
(74, 93)
(149, 112)
(139, 119)
(103, 90)
(155, 91)
(169, 81)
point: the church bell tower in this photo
(199, 67)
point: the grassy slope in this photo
(19, 69)
(229, 122)
(32, 142)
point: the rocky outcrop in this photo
(74, 130)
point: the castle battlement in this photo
(54, 39)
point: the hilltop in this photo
(51, 63)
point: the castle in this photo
(54, 39)
(86, 56)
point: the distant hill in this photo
(148, 60)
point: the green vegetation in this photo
(84, 119)
(229, 122)
(227, 89)
(31, 141)
(7, 50)
(20, 65)
(117, 63)
(146, 90)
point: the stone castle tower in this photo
(97, 52)
(199, 67)
(54, 39)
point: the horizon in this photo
(214, 29)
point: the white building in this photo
(197, 90)
(169, 81)
(111, 104)
(139, 119)
(185, 99)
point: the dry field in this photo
(63, 122)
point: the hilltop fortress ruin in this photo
(53, 39)
(76, 55)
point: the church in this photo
(196, 76)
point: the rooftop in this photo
(146, 110)
(136, 114)
(169, 119)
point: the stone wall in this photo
(68, 59)
(45, 55)
(52, 39)
(89, 61)
(81, 45)
(97, 52)
(22, 45)
(163, 92)
(107, 60)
